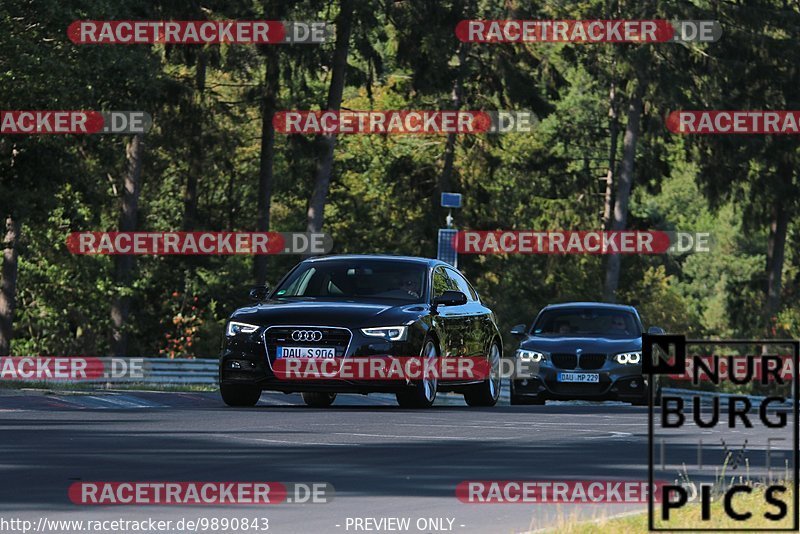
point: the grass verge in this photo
(689, 516)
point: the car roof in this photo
(596, 305)
(386, 257)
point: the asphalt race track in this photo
(382, 460)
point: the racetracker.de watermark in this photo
(587, 31)
(206, 493)
(399, 368)
(37, 122)
(734, 122)
(69, 368)
(198, 243)
(198, 32)
(404, 122)
(554, 491)
(580, 242)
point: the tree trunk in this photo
(265, 171)
(123, 264)
(457, 97)
(776, 248)
(316, 205)
(196, 148)
(8, 284)
(608, 197)
(624, 188)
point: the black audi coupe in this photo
(355, 306)
(582, 350)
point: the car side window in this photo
(462, 285)
(442, 283)
(300, 284)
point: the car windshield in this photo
(348, 279)
(587, 322)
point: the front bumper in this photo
(616, 382)
(249, 359)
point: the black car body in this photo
(361, 305)
(582, 350)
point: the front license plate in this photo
(579, 377)
(306, 352)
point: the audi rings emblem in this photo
(306, 335)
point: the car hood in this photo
(589, 345)
(316, 312)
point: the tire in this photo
(240, 395)
(316, 399)
(423, 393)
(487, 392)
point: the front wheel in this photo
(240, 395)
(487, 392)
(318, 400)
(423, 393)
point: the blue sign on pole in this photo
(451, 200)
(447, 251)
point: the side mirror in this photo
(656, 330)
(259, 293)
(519, 330)
(450, 298)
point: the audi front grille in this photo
(307, 336)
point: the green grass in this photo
(686, 517)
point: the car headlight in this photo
(628, 357)
(392, 333)
(235, 328)
(529, 355)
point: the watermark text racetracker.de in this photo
(554, 491)
(580, 242)
(727, 122)
(69, 368)
(198, 243)
(400, 368)
(76, 122)
(194, 32)
(205, 493)
(404, 122)
(587, 31)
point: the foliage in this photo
(404, 55)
